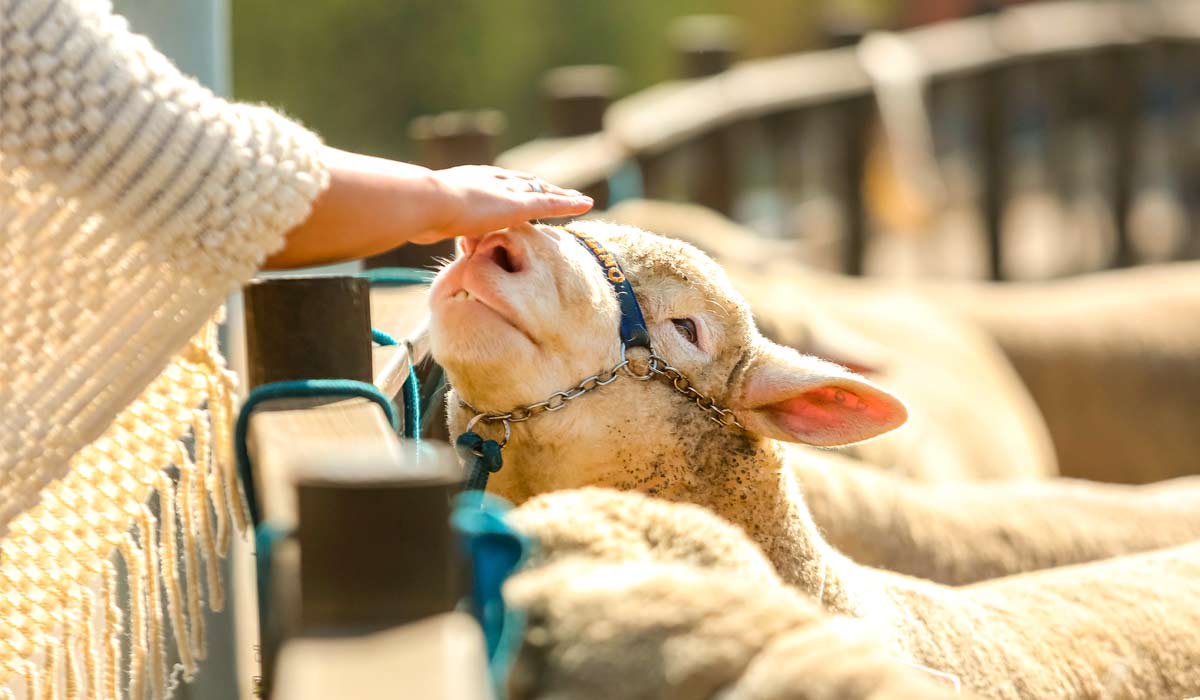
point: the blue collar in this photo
(633, 325)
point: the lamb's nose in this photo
(502, 250)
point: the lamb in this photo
(1111, 359)
(908, 344)
(669, 630)
(1039, 635)
(958, 534)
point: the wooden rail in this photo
(372, 571)
(693, 139)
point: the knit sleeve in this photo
(132, 202)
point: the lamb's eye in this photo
(686, 328)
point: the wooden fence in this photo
(359, 571)
(731, 131)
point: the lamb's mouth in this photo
(500, 310)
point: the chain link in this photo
(683, 385)
(557, 401)
(657, 367)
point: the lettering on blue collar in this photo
(607, 259)
(633, 326)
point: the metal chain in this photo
(680, 382)
(557, 401)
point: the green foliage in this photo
(358, 71)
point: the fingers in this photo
(536, 186)
(552, 206)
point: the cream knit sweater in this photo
(132, 201)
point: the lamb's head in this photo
(524, 313)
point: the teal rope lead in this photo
(412, 388)
(402, 277)
(397, 276)
(496, 550)
(412, 405)
(482, 458)
(382, 338)
(298, 389)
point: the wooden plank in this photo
(951, 49)
(289, 437)
(671, 113)
(335, 472)
(1070, 26)
(440, 658)
(399, 311)
(1177, 20)
(577, 162)
(392, 364)
(403, 312)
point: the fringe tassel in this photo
(168, 558)
(50, 682)
(191, 561)
(92, 648)
(154, 608)
(72, 646)
(137, 617)
(33, 680)
(71, 635)
(113, 622)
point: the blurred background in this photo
(971, 139)
(358, 71)
(1008, 140)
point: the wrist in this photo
(442, 205)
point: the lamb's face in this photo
(527, 312)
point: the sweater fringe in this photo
(64, 621)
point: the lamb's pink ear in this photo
(788, 396)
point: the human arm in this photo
(372, 205)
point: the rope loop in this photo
(482, 458)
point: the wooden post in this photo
(576, 99)
(655, 175)
(989, 88)
(375, 548)
(856, 118)
(308, 328)
(457, 138)
(707, 45)
(1123, 88)
(445, 141)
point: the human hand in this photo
(480, 199)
